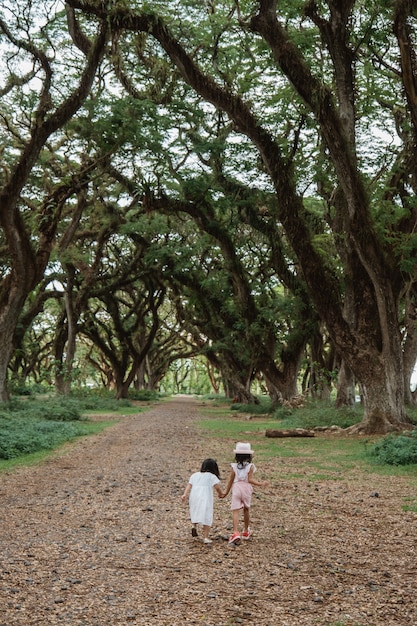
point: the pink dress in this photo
(241, 489)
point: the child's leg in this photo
(235, 518)
(206, 530)
(246, 518)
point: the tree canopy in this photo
(251, 163)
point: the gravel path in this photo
(98, 536)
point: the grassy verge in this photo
(84, 429)
(31, 428)
(323, 457)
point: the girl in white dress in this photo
(200, 492)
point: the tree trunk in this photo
(274, 393)
(67, 349)
(345, 386)
(122, 391)
(281, 388)
(383, 396)
(282, 381)
(244, 396)
(213, 377)
(140, 379)
(122, 388)
(8, 318)
(237, 390)
(410, 343)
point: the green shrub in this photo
(27, 435)
(29, 390)
(30, 425)
(262, 408)
(99, 403)
(284, 412)
(396, 449)
(57, 409)
(103, 399)
(62, 411)
(143, 395)
(313, 414)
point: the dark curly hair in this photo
(210, 465)
(243, 459)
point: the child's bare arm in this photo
(220, 493)
(229, 483)
(186, 492)
(257, 483)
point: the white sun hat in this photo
(243, 448)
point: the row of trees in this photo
(235, 180)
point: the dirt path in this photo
(98, 536)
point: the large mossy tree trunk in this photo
(345, 386)
(384, 406)
(10, 309)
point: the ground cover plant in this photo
(28, 435)
(32, 426)
(322, 457)
(327, 455)
(397, 449)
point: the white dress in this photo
(201, 497)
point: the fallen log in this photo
(295, 432)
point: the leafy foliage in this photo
(26, 435)
(32, 425)
(57, 409)
(396, 449)
(262, 408)
(318, 414)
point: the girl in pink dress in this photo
(200, 492)
(241, 482)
